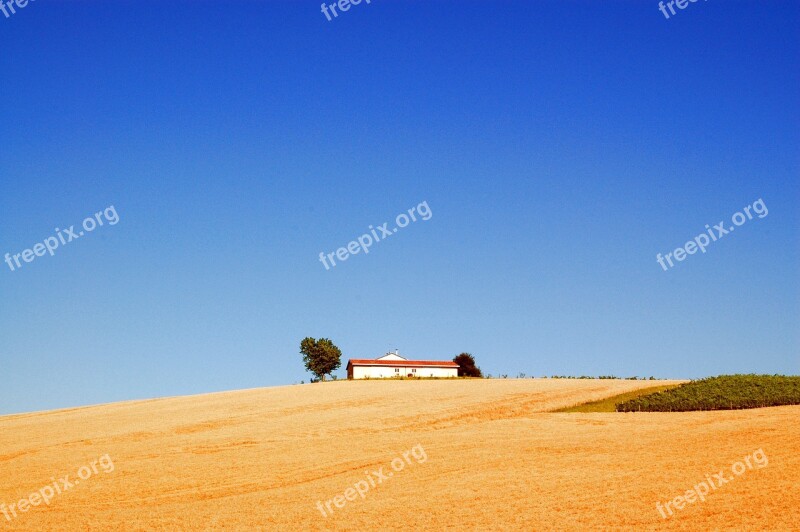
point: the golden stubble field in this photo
(494, 459)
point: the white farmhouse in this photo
(393, 365)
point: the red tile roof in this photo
(403, 363)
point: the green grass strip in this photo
(609, 404)
(726, 392)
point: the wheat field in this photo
(486, 455)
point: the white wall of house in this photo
(381, 372)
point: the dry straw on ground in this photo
(261, 459)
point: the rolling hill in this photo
(466, 454)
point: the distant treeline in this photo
(603, 377)
(523, 375)
(727, 392)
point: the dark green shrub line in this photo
(727, 392)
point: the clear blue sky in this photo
(559, 144)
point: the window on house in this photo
(413, 371)
(397, 370)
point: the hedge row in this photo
(727, 392)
